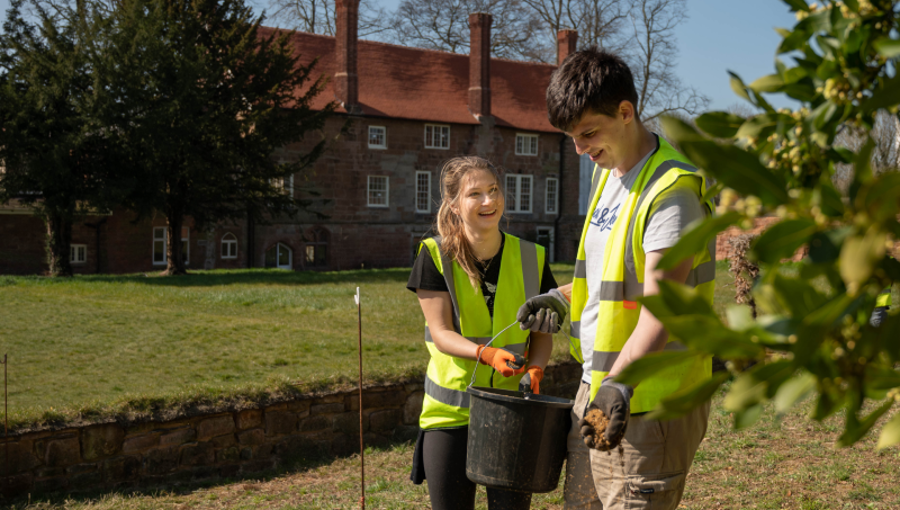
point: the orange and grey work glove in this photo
(531, 381)
(504, 361)
(614, 399)
(544, 313)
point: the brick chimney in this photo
(566, 42)
(480, 64)
(346, 82)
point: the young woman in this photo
(470, 282)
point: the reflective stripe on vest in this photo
(446, 402)
(623, 276)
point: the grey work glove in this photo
(544, 313)
(614, 399)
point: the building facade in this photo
(403, 112)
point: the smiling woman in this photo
(470, 283)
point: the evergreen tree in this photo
(204, 102)
(55, 151)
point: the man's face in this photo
(601, 137)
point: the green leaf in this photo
(781, 240)
(652, 363)
(720, 124)
(858, 257)
(793, 391)
(708, 335)
(887, 47)
(793, 41)
(884, 97)
(770, 83)
(754, 126)
(855, 432)
(696, 237)
(734, 166)
(740, 317)
(827, 405)
(828, 198)
(682, 402)
(757, 384)
(797, 5)
(737, 85)
(890, 434)
(747, 417)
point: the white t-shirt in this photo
(672, 211)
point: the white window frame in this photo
(77, 254)
(514, 193)
(228, 246)
(164, 239)
(526, 144)
(387, 191)
(427, 192)
(285, 184)
(443, 136)
(375, 129)
(186, 245)
(550, 249)
(278, 247)
(551, 201)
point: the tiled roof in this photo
(419, 84)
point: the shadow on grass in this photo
(228, 277)
(290, 464)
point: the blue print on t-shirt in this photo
(605, 218)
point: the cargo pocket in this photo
(656, 492)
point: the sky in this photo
(718, 36)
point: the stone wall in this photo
(224, 444)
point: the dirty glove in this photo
(502, 360)
(531, 381)
(544, 313)
(614, 400)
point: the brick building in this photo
(409, 110)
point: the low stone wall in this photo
(122, 455)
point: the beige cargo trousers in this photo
(649, 470)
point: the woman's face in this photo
(480, 203)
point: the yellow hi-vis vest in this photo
(884, 298)
(623, 278)
(446, 402)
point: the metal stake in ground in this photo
(6, 416)
(362, 450)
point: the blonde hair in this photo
(449, 225)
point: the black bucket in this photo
(516, 442)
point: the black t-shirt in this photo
(425, 276)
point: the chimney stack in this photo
(566, 42)
(480, 64)
(346, 82)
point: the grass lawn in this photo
(787, 464)
(91, 341)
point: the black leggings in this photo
(444, 453)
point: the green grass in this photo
(790, 463)
(94, 345)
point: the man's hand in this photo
(544, 313)
(502, 360)
(531, 381)
(614, 400)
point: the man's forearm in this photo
(566, 291)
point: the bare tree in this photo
(444, 25)
(653, 60)
(317, 17)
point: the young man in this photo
(644, 193)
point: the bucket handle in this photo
(478, 360)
